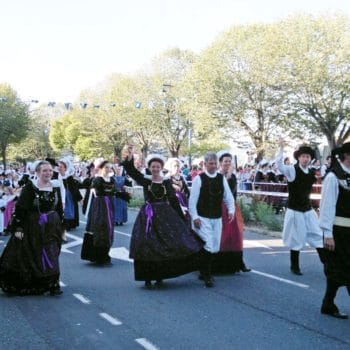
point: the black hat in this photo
(304, 150)
(52, 161)
(344, 149)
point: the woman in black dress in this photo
(100, 222)
(30, 262)
(179, 183)
(73, 195)
(162, 245)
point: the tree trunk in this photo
(144, 151)
(3, 154)
(174, 153)
(331, 141)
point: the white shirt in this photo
(329, 198)
(195, 191)
(288, 170)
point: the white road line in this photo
(112, 320)
(146, 344)
(288, 252)
(76, 241)
(254, 244)
(81, 298)
(62, 284)
(120, 253)
(301, 285)
(122, 233)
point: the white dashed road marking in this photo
(146, 344)
(120, 253)
(112, 320)
(81, 298)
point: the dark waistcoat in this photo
(211, 196)
(300, 190)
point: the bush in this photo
(265, 214)
(245, 209)
(136, 203)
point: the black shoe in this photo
(209, 283)
(332, 310)
(159, 283)
(245, 269)
(55, 291)
(148, 284)
(296, 271)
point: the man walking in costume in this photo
(208, 191)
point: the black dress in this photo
(73, 196)
(31, 265)
(162, 245)
(182, 194)
(86, 184)
(100, 221)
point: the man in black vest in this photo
(300, 221)
(335, 224)
(208, 191)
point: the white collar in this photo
(35, 182)
(211, 175)
(305, 170)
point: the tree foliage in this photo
(36, 144)
(14, 119)
(317, 75)
(291, 75)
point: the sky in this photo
(52, 50)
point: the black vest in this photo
(211, 196)
(343, 202)
(300, 190)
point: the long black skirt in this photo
(31, 265)
(165, 247)
(337, 262)
(101, 226)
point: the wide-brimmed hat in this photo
(345, 148)
(304, 150)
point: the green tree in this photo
(236, 80)
(167, 76)
(14, 119)
(317, 75)
(36, 144)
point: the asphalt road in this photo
(104, 308)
